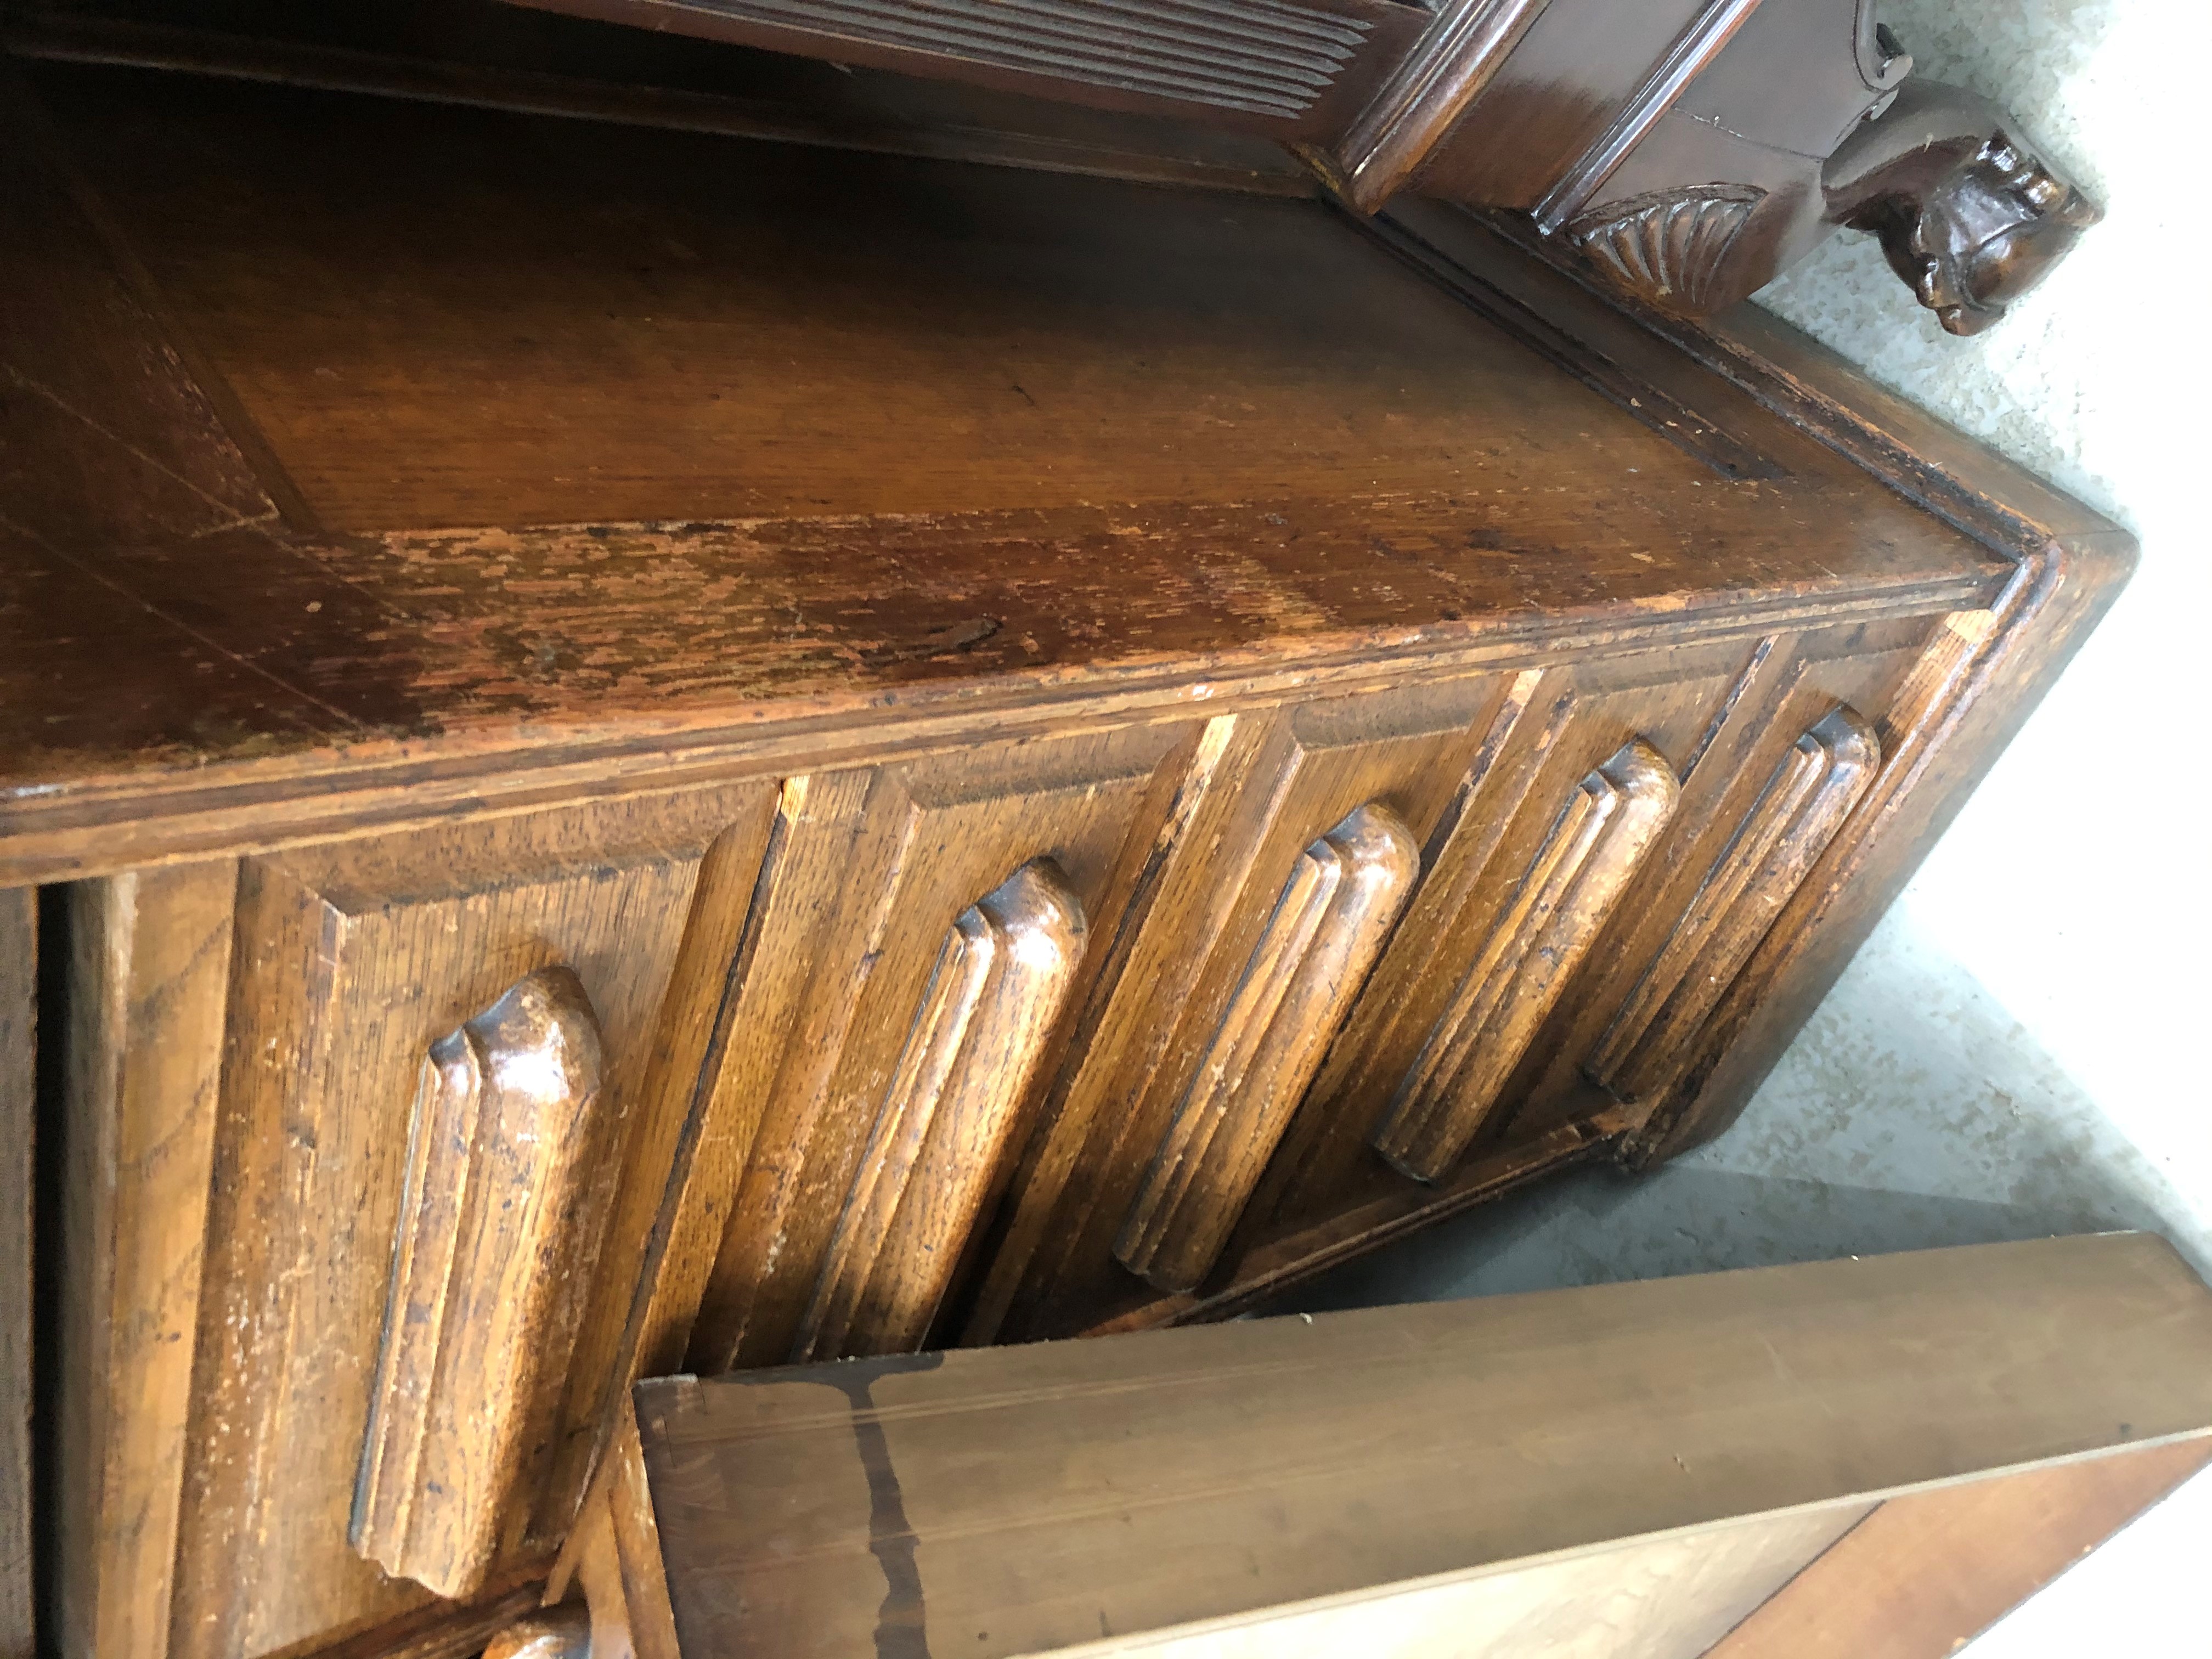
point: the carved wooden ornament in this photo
(1795, 817)
(999, 984)
(505, 1128)
(1571, 885)
(1328, 926)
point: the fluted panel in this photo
(1328, 926)
(1571, 886)
(998, 984)
(1795, 816)
(501, 1150)
(1259, 56)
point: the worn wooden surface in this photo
(149, 974)
(18, 973)
(1928, 1571)
(1015, 1500)
(1403, 480)
(511, 1128)
(1140, 534)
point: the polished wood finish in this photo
(1928, 1571)
(504, 541)
(508, 1129)
(1188, 1486)
(1692, 149)
(19, 971)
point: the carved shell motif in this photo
(1669, 250)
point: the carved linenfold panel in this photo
(1800, 809)
(501, 1150)
(1328, 926)
(1264, 58)
(1581, 869)
(1000, 983)
(1668, 249)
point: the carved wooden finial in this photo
(507, 1126)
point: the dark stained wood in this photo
(509, 1130)
(1928, 1571)
(1023, 1499)
(19, 969)
(1290, 69)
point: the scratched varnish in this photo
(662, 751)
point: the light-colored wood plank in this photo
(1659, 1599)
(149, 978)
(1928, 1571)
(1015, 1500)
(19, 987)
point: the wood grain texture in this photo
(351, 959)
(955, 1099)
(507, 1131)
(1125, 530)
(613, 1561)
(1798, 812)
(1928, 1571)
(149, 981)
(19, 985)
(1329, 925)
(1276, 785)
(1563, 900)
(1004, 1501)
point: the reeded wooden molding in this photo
(506, 1121)
(1577, 874)
(1813, 791)
(1456, 57)
(999, 984)
(1329, 925)
(1695, 47)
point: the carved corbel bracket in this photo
(1968, 214)
(507, 1122)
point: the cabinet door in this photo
(896, 984)
(246, 1050)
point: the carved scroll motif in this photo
(1328, 926)
(1571, 886)
(1799, 811)
(1000, 983)
(507, 1122)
